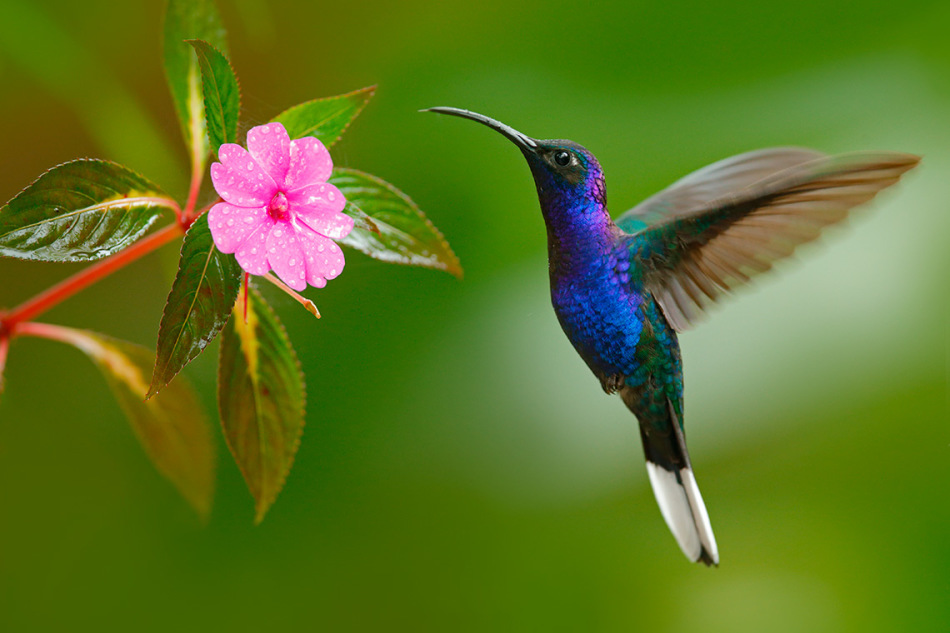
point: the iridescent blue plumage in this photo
(621, 290)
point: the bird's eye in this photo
(562, 158)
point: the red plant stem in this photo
(49, 331)
(68, 287)
(188, 215)
(4, 348)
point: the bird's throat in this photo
(579, 231)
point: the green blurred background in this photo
(461, 470)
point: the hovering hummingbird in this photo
(623, 288)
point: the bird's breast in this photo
(601, 313)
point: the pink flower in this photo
(279, 213)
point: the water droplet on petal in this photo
(278, 232)
(331, 196)
(333, 272)
(248, 219)
(320, 247)
(273, 249)
(292, 263)
(230, 221)
(253, 250)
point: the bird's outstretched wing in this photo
(717, 227)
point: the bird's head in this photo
(566, 174)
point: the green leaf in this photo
(361, 220)
(222, 95)
(190, 20)
(403, 234)
(82, 210)
(325, 119)
(170, 426)
(261, 396)
(198, 305)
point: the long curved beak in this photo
(526, 143)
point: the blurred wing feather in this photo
(702, 239)
(704, 186)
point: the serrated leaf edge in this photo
(151, 184)
(161, 200)
(205, 101)
(370, 93)
(454, 268)
(262, 506)
(154, 388)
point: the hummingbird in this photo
(623, 289)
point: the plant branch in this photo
(49, 331)
(189, 215)
(68, 287)
(4, 348)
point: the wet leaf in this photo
(82, 210)
(361, 220)
(402, 232)
(261, 397)
(198, 305)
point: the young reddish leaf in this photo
(222, 95)
(170, 426)
(325, 119)
(190, 20)
(82, 210)
(198, 305)
(261, 397)
(403, 234)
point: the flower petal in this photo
(230, 225)
(285, 256)
(270, 146)
(239, 179)
(323, 256)
(316, 199)
(310, 163)
(252, 254)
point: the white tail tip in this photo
(685, 514)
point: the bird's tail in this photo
(676, 491)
